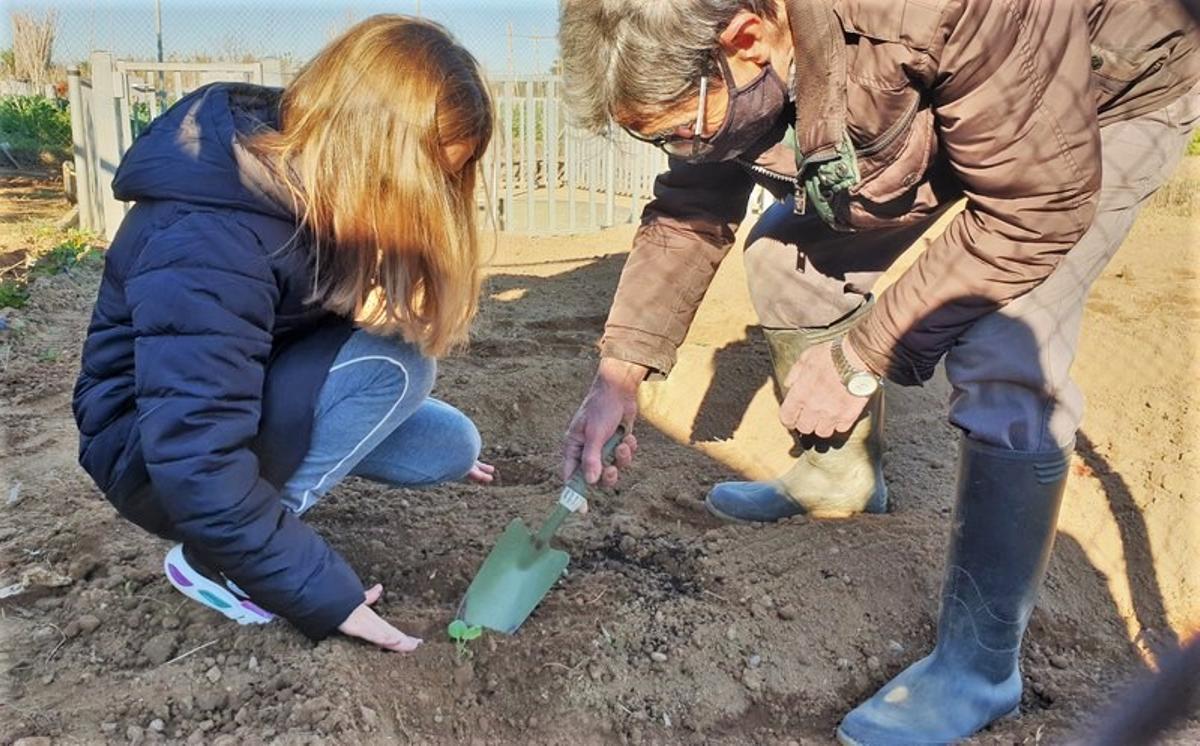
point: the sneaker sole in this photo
(207, 593)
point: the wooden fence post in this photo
(88, 219)
(107, 125)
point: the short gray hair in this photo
(639, 55)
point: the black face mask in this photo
(753, 112)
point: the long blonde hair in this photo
(360, 147)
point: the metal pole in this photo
(550, 131)
(610, 199)
(572, 156)
(635, 182)
(590, 160)
(158, 27)
(508, 209)
(511, 72)
(160, 79)
(529, 159)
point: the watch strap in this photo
(842, 364)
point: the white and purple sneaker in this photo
(211, 589)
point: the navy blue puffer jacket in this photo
(204, 359)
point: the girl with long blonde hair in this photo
(271, 312)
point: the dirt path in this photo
(29, 205)
(759, 635)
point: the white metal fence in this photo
(540, 174)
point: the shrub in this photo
(35, 126)
(13, 294)
(1194, 145)
(75, 250)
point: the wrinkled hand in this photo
(817, 402)
(612, 401)
(365, 624)
(481, 473)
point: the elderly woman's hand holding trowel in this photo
(610, 403)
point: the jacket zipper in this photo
(763, 171)
(889, 137)
(880, 143)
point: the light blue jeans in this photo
(375, 419)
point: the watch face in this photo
(862, 384)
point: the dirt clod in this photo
(211, 700)
(160, 648)
(82, 567)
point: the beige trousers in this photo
(1010, 371)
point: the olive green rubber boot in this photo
(833, 477)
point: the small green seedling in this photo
(462, 633)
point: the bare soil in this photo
(30, 203)
(670, 627)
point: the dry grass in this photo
(33, 45)
(1181, 195)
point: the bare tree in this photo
(33, 44)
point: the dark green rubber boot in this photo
(832, 477)
(1004, 525)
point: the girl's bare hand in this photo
(481, 473)
(365, 624)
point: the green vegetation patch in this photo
(35, 127)
(75, 250)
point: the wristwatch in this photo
(861, 383)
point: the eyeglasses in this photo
(688, 147)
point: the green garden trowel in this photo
(522, 567)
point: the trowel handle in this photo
(607, 455)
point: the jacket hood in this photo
(195, 152)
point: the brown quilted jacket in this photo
(999, 101)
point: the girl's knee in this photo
(464, 444)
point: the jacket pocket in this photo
(1114, 72)
(889, 192)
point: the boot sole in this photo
(742, 521)
(745, 522)
(1014, 713)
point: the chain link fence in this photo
(507, 37)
